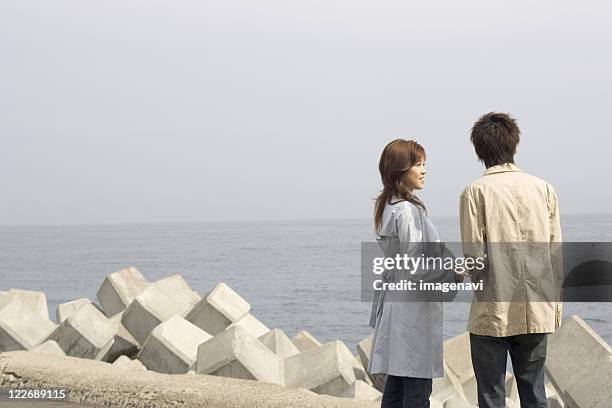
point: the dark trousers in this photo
(489, 358)
(406, 392)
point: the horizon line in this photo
(235, 221)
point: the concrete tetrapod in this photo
(305, 341)
(124, 344)
(579, 365)
(24, 320)
(448, 387)
(459, 381)
(326, 369)
(87, 333)
(458, 359)
(278, 342)
(553, 399)
(364, 349)
(218, 309)
(358, 368)
(65, 310)
(360, 371)
(235, 353)
(511, 387)
(32, 302)
(156, 304)
(126, 363)
(457, 356)
(251, 324)
(458, 402)
(119, 289)
(172, 347)
(49, 347)
(361, 390)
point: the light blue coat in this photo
(408, 335)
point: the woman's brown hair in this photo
(397, 158)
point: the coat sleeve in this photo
(408, 232)
(405, 225)
(556, 251)
(472, 226)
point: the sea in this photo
(296, 275)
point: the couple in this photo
(505, 205)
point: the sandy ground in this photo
(6, 402)
(97, 383)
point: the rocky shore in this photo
(160, 344)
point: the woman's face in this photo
(414, 177)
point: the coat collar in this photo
(501, 168)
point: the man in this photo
(504, 215)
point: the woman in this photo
(407, 340)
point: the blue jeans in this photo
(406, 392)
(528, 354)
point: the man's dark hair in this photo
(495, 137)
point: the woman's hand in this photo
(459, 277)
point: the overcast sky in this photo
(149, 111)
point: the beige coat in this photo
(521, 211)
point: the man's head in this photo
(495, 137)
